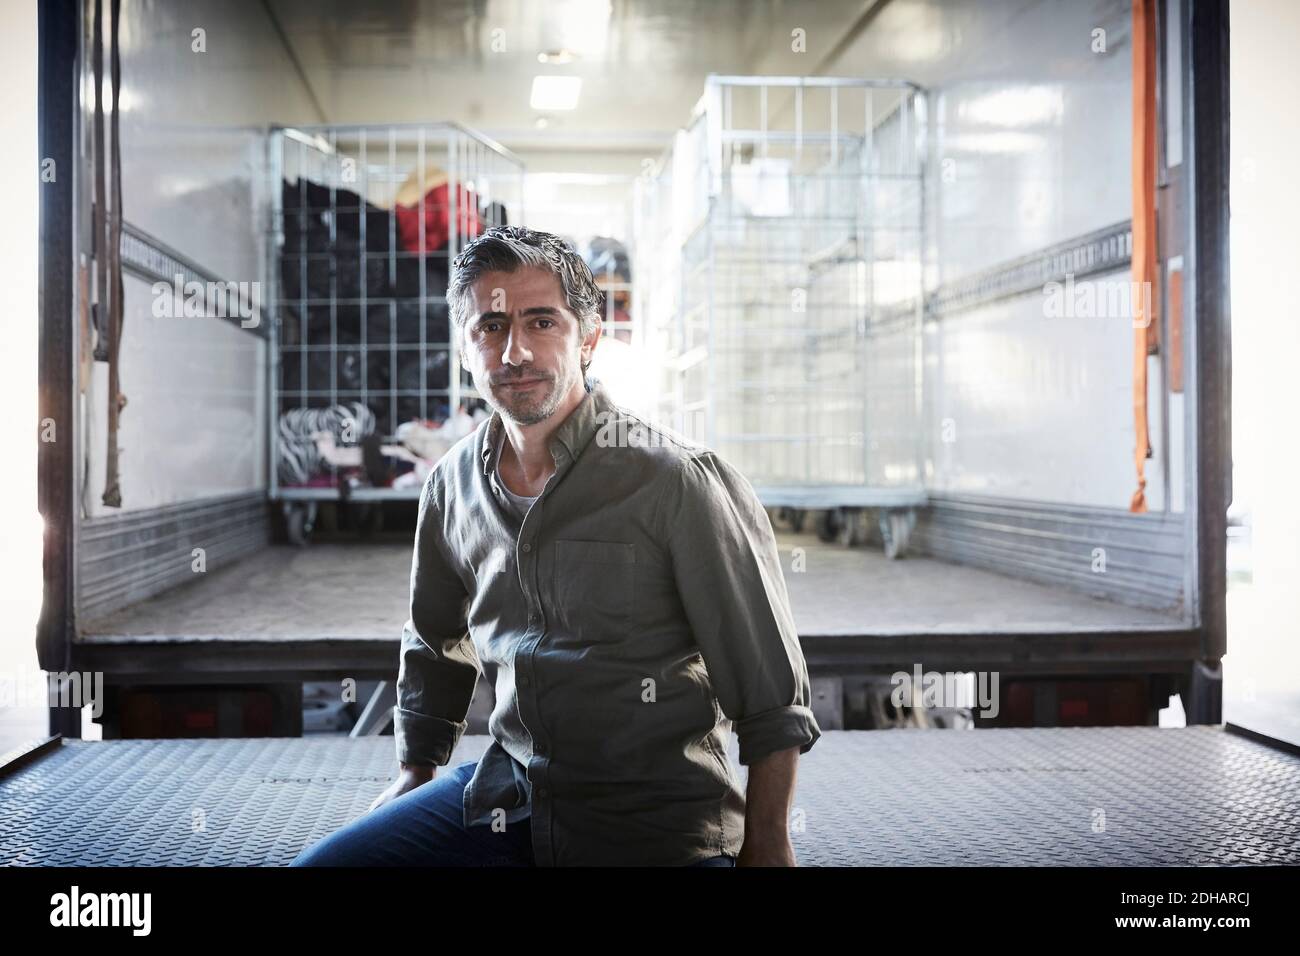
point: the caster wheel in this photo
(328, 518)
(798, 517)
(828, 525)
(896, 531)
(298, 525)
(853, 529)
(369, 518)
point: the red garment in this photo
(437, 217)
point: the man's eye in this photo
(551, 321)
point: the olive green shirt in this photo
(635, 615)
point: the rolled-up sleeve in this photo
(728, 575)
(439, 667)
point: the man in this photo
(625, 584)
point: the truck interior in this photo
(953, 458)
(944, 280)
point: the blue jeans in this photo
(425, 827)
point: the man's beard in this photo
(534, 405)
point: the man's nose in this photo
(517, 350)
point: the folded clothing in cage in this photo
(358, 315)
(301, 431)
(432, 440)
(424, 442)
(608, 260)
(314, 442)
(392, 381)
(325, 256)
(425, 226)
(318, 217)
(383, 328)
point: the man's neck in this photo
(526, 454)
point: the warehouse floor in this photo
(360, 591)
(1122, 796)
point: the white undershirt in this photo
(519, 503)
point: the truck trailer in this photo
(951, 290)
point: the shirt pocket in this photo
(594, 588)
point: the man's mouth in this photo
(522, 383)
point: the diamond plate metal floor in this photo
(1129, 796)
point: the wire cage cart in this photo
(779, 251)
(611, 268)
(365, 383)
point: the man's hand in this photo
(768, 797)
(410, 777)
(761, 851)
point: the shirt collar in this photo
(569, 439)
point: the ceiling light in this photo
(555, 92)
(556, 57)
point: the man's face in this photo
(522, 344)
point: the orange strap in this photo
(1144, 267)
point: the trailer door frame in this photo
(1203, 26)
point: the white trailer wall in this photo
(1028, 413)
(195, 422)
(1030, 147)
(197, 79)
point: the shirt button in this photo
(523, 681)
(528, 546)
(541, 792)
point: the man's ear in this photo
(591, 341)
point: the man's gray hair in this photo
(507, 248)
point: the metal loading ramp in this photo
(1123, 796)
